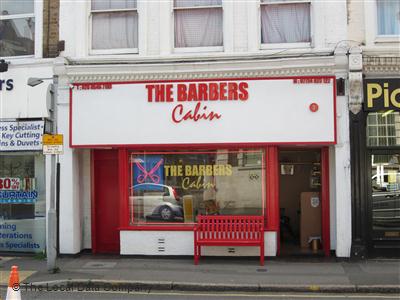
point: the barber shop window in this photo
(17, 28)
(176, 187)
(388, 17)
(114, 26)
(198, 25)
(285, 22)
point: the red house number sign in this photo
(314, 107)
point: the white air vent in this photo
(161, 244)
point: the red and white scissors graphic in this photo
(149, 174)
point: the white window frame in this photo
(114, 50)
(266, 46)
(196, 49)
(371, 26)
(38, 38)
(380, 122)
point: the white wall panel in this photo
(181, 243)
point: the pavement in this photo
(330, 275)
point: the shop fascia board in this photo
(235, 69)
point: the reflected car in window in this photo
(152, 201)
(385, 202)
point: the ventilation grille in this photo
(161, 245)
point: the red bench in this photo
(229, 231)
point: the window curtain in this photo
(114, 30)
(388, 17)
(199, 27)
(285, 23)
(113, 4)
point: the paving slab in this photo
(215, 274)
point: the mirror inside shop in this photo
(179, 186)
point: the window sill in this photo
(27, 60)
(250, 167)
(167, 227)
(387, 39)
(173, 228)
(198, 49)
(114, 51)
(285, 46)
(18, 57)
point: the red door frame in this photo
(123, 171)
(325, 201)
(272, 213)
(93, 203)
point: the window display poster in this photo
(24, 235)
(148, 169)
(18, 190)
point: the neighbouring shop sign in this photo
(382, 94)
(6, 84)
(21, 136)
(249, 110)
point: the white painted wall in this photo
(362, 30)
(356, 21)
(241, 27)
(342, 187)
(70, 181)
(181, 243)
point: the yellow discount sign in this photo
(53, 143)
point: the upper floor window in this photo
(388, 17)
(114, 26)
(285, 21)
(17, 28)
(198, 23)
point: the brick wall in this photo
(51, 10)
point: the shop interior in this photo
(300, 202)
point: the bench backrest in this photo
(249, 228)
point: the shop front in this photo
(23, 179)
(164, 152)
(377, 170)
